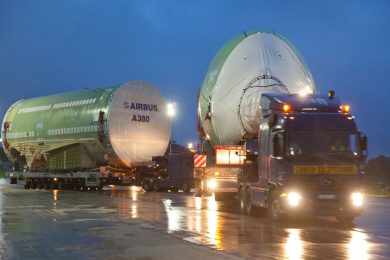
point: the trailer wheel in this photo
(186, 187)
(13, 180)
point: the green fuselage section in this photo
(35, 127)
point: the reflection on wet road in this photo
(197, 220)
(219, 225)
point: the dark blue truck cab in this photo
(307, 159)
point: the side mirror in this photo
(363, 142)
(273, 120)
(278, 145)
(331, 94)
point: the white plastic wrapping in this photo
(139, 127)
(260, 63)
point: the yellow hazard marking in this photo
(325, 169)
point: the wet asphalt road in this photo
(38, 224)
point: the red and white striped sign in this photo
(200, 160)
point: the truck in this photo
(301, 152)
(86, 139)
(172, 172)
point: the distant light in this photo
(207, 137)
(171, 110)
(190, 146)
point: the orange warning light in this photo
(345, 109)
(286, 108)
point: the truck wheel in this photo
(345, 220)
(174, 189)
(146, 185)
(13, 180)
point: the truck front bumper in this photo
(220, 185)
(322, 205)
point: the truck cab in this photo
(308, 159)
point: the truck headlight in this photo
(357, 199)
(294, 199)
(211, 184)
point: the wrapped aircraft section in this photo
(249, 65)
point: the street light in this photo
(171, 113)
(171, 110)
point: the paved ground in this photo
(131, 224)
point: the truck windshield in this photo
(324, 143)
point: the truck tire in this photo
(174, 189)
(345, 220)
(147, 185)
(13, 180)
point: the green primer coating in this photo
(39, 125)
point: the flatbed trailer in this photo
(90, 180)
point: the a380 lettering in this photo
(140, 118)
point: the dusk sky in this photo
(51, 46)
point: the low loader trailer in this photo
(83, 181)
